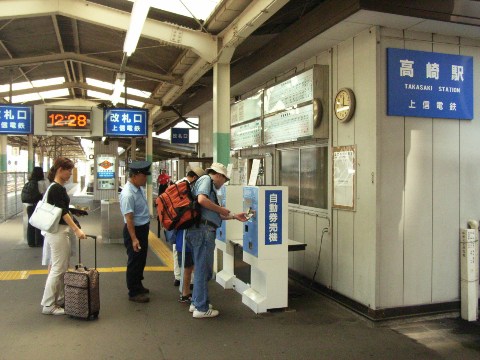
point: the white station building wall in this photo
(417, 183)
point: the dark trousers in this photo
(162, 188)
(34, 235)
(136, 260)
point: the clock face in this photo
(68, 119)
(344, 104)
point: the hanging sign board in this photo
(125, 122)
(179, 136)
(15, 119)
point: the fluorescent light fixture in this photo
(137, 19)
(99, 83)
(118, 87)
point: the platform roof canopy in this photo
(79, 45)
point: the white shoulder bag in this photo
(46, 216)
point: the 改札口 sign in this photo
(429, 84)
(15, 119)
(125, 122)
(180, 136)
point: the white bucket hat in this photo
(219, 168)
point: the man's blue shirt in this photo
(134, 200)
(204, 185)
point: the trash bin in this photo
(112, 222)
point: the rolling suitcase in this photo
(82, 290)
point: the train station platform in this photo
(313, 327)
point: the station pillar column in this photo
(221, 113)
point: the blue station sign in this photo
(125, 122)
(179, 136)
(15, 119)
(428, 84)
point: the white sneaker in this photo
(192, 307)
(208, 314)
(53, 310)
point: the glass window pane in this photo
(289, 169)
(314, 177)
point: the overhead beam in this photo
(254, 16)
(79, 85)
(205, 45)
(84, 59)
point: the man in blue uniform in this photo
(134, 207)
(201, 238)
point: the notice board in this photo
(344, 176)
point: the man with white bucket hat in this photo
(201, 238)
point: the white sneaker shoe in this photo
(53, 310)
(208, 314)
(192, 307)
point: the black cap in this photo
(140, 167)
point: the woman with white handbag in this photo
(59, 241)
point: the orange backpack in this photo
(177, 208)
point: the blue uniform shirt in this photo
(204, 185)
(134, 200)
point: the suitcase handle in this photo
(80, 255)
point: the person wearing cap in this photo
(192, 176)
(201, 239)
(134, 207)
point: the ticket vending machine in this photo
(265, 247)
(231, 197)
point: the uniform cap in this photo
(219, 168)
(140, 167)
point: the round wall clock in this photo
(344, 105)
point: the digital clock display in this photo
(68, 119)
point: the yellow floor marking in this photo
(14, 275)
(38, 272)
(162, 250)
(158, 246)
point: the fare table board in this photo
(286, 113)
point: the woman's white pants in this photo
(60, 256)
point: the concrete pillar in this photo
(3, 153)
(31, 154)
(3, 176)
(133, 150)
(149, 157)
(221, 113)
